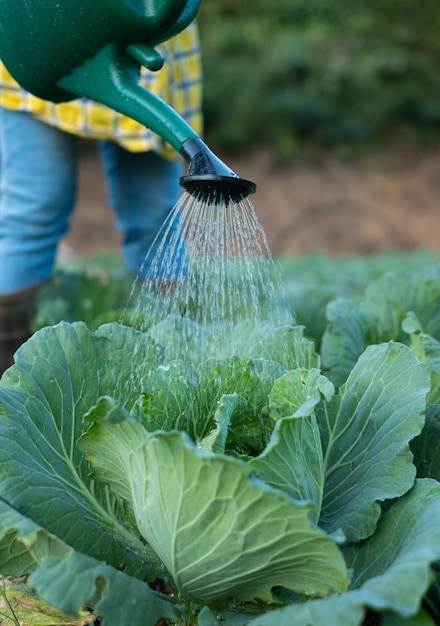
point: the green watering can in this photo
(63, 49)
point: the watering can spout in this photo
(111, 77)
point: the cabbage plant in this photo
(241, 490)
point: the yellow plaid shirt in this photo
(179, 83)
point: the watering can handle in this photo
(185, 18)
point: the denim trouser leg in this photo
(38, 166)
(144, 187)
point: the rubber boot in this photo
(16, 312)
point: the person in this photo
(39, 150)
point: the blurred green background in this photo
(319, 72)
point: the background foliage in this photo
(319, 71)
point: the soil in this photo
(389, 200)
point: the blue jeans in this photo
(38, 182)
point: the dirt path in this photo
(390, 202)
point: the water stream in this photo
(211, 282)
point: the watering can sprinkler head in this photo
(208, 178)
